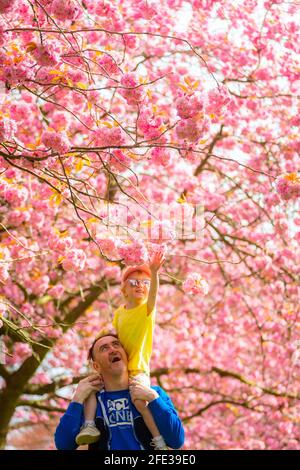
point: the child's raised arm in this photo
(155, 264)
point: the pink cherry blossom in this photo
(161, 156)
(191, 129)
(46, 55)
(17, 217)
(56, 291)
(8, 128)
(189, 106)
(4, 272)
(109, 65)
(65, 9)
(218, 100)
(6, 5)
(288, 186)
(17, 73)
(149, 123)
(108, 245)
(133, 91)
(133, 253)
(195, 284)
(61, 245)
(40, 285)
(59, 142)
(119, 161)
(15, 195)
(108, 136)
(74, 260)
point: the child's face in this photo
(134, 287)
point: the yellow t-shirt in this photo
(135, 331)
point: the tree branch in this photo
(38, 389)
(40, 406)
(218, 402)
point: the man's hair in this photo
(101, 335)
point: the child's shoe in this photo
(158, 443)
(88, 434)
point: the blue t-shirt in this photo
(118, 416)
(117, 408)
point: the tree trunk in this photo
(17, 381)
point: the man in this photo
(121, 426)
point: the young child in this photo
(134, 323)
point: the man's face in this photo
(135, 288)
(109, 356)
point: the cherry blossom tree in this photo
(132, 126)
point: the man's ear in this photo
(96, 367)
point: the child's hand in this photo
(138, 391)
(156, 261)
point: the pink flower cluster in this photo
(20, 111)
(4, 273)
(102, 7)
(108, 65)
(56, 291)
(154, 248)
(46, 55)
(6, 5)
(107, 245)
(149, 124)
(58, 142)
(213, 200)
(65, 9)
(161, 156)
(112, 272)
(74, 260)
(288, 186)
(119, 161)
(191, 129)
(4, 264)
(8, 128)
(109, 136)
(144, 9)
(15, 74)
(190, 105)
(191, 154)
(130, 41)
(133, 91)
(17, 217)
(218, 100)
(40, 285)
(193, 109)
(3, 36)
(16, 196)
(133, 253)
(195, 284)
(61, 245)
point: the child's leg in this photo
(147, 417)
(89, 433)
(158, 441)
(90, 406)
